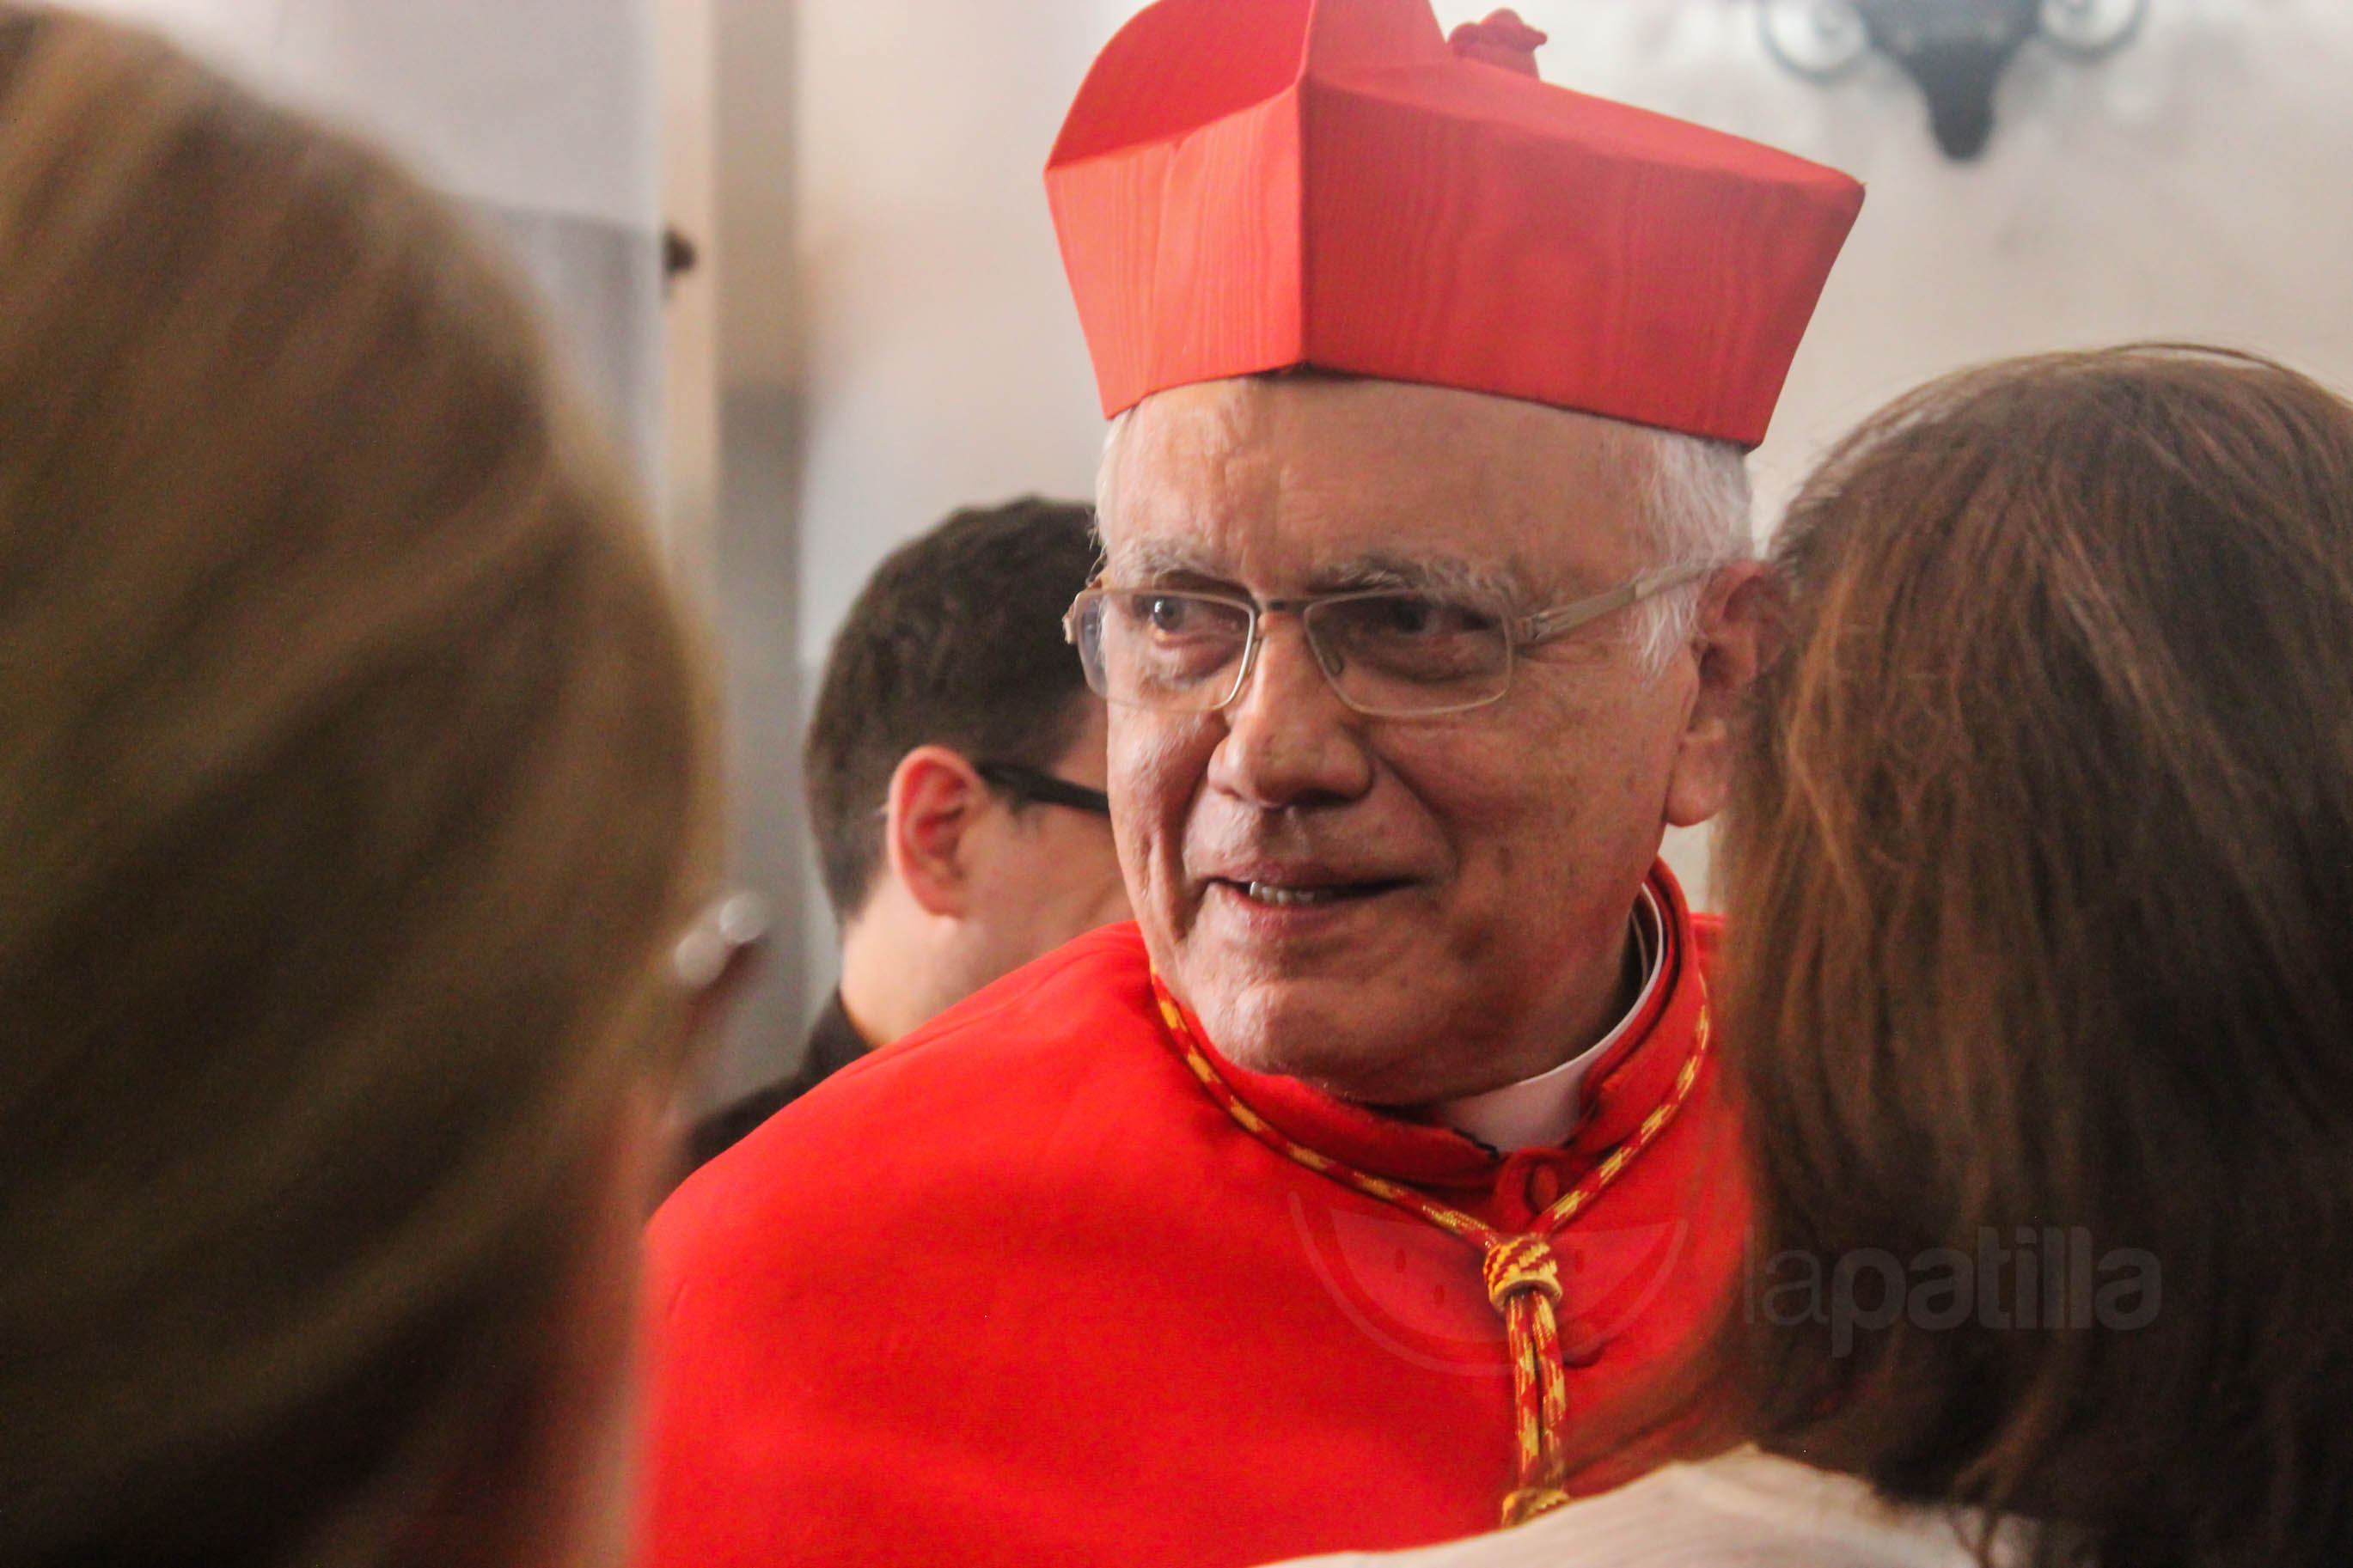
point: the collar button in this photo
(1543, 1186)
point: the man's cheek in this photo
(1148, 749)
(1151, 787)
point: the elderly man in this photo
(1371, 1189)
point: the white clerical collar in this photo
(1539, 1111)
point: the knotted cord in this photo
(1520, 1271)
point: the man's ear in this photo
(936, 798)
(1733, 640)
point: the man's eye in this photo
(1167, 614)
(1413, 616)
(1408, 617)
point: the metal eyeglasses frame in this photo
(1526, 632)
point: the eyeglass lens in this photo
(1384, 653)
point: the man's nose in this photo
(1290, 740)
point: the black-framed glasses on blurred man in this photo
(1029, 786)
(1388, 653)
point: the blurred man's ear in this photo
(1731, 644)
(936, 798)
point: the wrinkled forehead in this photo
(1307, 483)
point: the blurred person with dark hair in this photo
(955, 770)
(355, 793)
(2042, 997)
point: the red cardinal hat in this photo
(1244, 185)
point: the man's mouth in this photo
(1289, 895)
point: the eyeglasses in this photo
(1388, 653)
(1028, 786)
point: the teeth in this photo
(1269, 893)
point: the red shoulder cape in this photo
(1017, 1291)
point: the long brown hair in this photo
(354, 773)
(2040, 874)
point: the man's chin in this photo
(1350, 1037)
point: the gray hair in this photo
(1696, 506)
(1694, 511)
(1112, 434)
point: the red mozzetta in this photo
(1021, 1291)
(1244, 185)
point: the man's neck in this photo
(875, 1033)
(889, 984)
(1545, 1108)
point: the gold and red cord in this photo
(1520, 1271)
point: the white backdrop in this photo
(541, 115)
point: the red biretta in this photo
(1055, 1280)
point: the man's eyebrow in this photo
(1160, 560)
(1487, 587)
(1500, 588)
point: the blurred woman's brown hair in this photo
(2041, 895)
(353, 783)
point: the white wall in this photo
(687, 60)
(2193, 185)
(944, 364)
(756, 551)
(540, 115)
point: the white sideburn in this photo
(1539, 1111)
